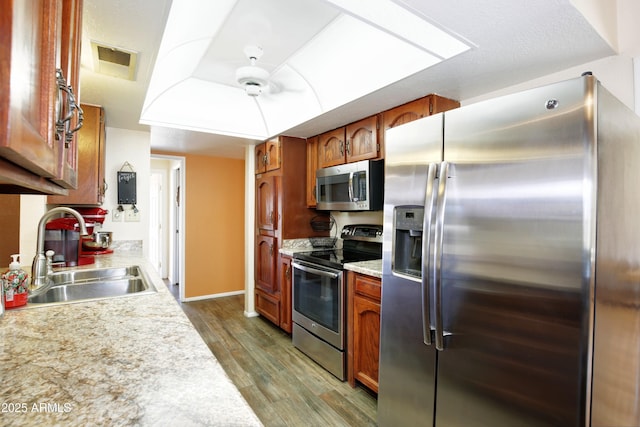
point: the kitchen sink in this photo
(93, 284)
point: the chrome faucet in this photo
(41, 267)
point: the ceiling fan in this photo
(252, 78)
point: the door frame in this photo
(180, 225)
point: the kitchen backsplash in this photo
(344, 218)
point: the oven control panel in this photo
(367, 232)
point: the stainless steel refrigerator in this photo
(511, 263)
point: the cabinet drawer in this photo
(268, 306)
(368, 286)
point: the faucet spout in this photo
(39, 268)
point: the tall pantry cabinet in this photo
(281, 213)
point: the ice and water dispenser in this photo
(407, 253)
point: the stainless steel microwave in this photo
(357, 186)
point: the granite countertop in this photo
(134, 360)
(370, 268)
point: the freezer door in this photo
(515, 264)
(407, 380)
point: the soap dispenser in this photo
(16, 284)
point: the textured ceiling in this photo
(514, 41)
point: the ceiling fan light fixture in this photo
(251, 77)
(252, 89)
(252, 74)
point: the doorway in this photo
(167, 227)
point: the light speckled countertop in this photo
(133, 360)
(370, 268)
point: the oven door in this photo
(318, 301)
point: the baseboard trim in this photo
(212, 296)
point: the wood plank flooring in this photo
(283, 386)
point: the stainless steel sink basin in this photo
(92, 284)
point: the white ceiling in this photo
(513, 41)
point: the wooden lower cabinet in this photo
(268, 306)
(363, 328)
(285, 293)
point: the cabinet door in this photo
(261, 159)
(312, 166)
(331, 148)
(362, 139)
(366, 325)
(272, 150)
(266, 255)
(91, 147)
(268, 306)
(406, 113)
(414, 110)
(68, 62)
(266, 203)
(285, 293)
(28, 84)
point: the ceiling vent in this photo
(114, 61)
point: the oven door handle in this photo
(309, 269)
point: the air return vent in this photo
(114, 61)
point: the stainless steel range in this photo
(319, 295)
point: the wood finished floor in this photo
(282, 385)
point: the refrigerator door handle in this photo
(437, 255)
(429, 202)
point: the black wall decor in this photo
(126, 188)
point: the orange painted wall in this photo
(214, 225)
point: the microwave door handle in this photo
(437, 254)
(309, 269)
(429, 202)
(351, 186)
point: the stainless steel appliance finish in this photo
(319, 295)
(510, 290)
(357, 186)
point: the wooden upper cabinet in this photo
(91, 157)
(362, 140)
(68, 65)
(28, 32)
(312, 166)
(406, 113)
(36, 37)
(268, 156)
(331, 148)
(272, 148)
(352, 143)
(260, 158)
(414, 110)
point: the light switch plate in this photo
(131, 216)
(117, 216)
